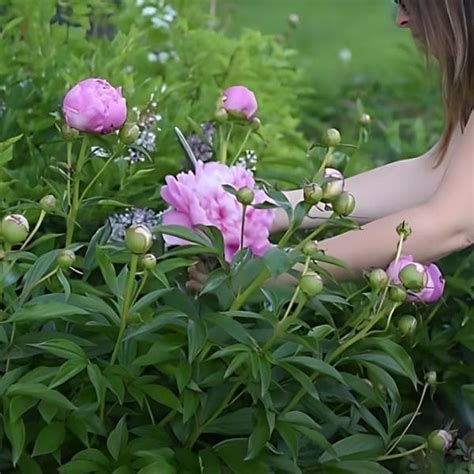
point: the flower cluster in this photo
(133, 216)
(249, 160)
(161, 15)
(199, 198)
(432, 279)
(203, 149)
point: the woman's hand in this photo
(198, 274)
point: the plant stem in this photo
(254, 286)
(326, 158)
(33, 232)
(311, 236)
(242, 227)
(95, 178)
(125, 305)
(71, 219)
(69, 167)
(402, 455)
(242, 146)
(286, 236)
(417, 411)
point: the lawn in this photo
(366, 28)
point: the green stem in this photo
(95, 178)
(311, 236)
(286, 236)
(326, 158)
(242, 146)
(168, 418)
(10, 344)
(417, 411)
(224, 144)
(254, 286)
(125, 306)
(242, 227)
(33, 232)
(69, 167)
(71, 219)
(402, 455)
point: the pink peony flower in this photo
(434, 288)
(240, 99)
(199, 198)
(94, 106)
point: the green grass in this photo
(366, 27)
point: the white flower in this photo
(345, 55)
(149, 11)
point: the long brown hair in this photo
(445, 29)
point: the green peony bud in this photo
(129, 133)
(245, 196)
(293, 20)
(148, 261)
(312, 193)
(397, 294)
(333, 137)
(14, 229)
(138, 238)
(311, 285)
(255, 124)
(338, 161)
(310, 248)
(66, 259)
(221, 115)
(431, 378)
(48, 203)
(413, 276)
(440, 441)
(344, 204)
(365, 120)
(407, 325)
(69, 134)
(404, 230)
(378, 279)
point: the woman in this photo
(433, 193)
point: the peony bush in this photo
(110, 364)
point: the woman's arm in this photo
(444, 224)
(378, 192)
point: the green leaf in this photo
(10, 378)
(42, 312)
(236, 423)
(232, 327)
(15, 431)
(317, 438)
(6, 149)
(183, 233)
(197, 337)
(214, 281)
(354, 467)
(315, 364)
(357, 446)
(63, 348)
(162, 318)
(49, 439)
(162, 395)
(41, 392)
(162, 466)
(65, 284)
(48, 411)
(277, 261)
(209, 462)
(19, 405)
(118, 438)
(148, 299)
(67, 371)
(320, 332)
(97, 380)
(108, 270)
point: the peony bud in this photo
(245, 196)
(413, 276)
(344, 204)
(293, 19)
(397, 294)
(333, 188)
(148, 261)
(407, 325)
(440, 441)
(69, 134)
(312, 193)
(378, 279)
(221, 115)
(138, 238)
(129, 133)
(338, 160)
(311, 285)
(48, 203)
(256, 123)
(309, 249)
(94, 106)
(240, 101)
(333, 137)
(14, 229)
(404, 230)
(431, 378)
(365, 120)
(66, 259)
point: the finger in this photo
(194, 286)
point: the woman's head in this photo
(445, 30)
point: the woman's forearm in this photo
(378, 192)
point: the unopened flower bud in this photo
(245, 196)
(312, 193)
(413, 276)
(66, 259)
(344, 204)
(48, 203)
(333, 188)
(14, 229)
(407, 325)
(311, 285)
(440, 441)
(221, 115)
(404, 230)
(378, 279)
(333, 137)
(256, 123)
(338, 161)
(138, 238)
(365, 120)
(397, 294)
(68, 133)
(148, 261)
(129, 133)
(309, 249)
(293, 19)
(431, 378)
